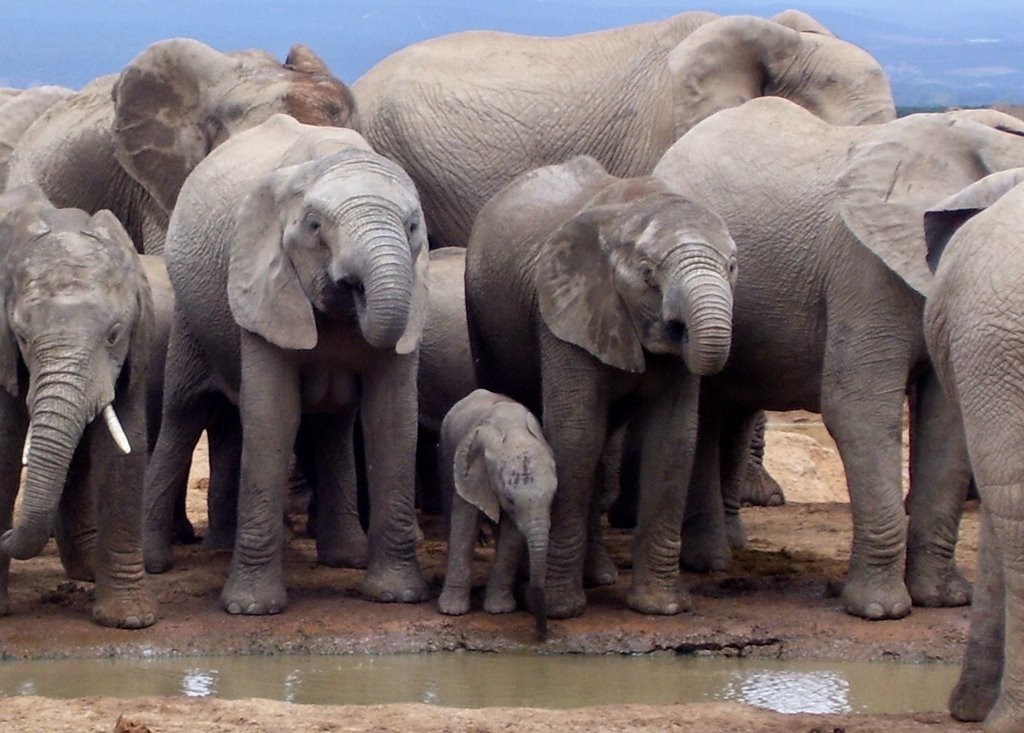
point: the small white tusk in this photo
(116, 431)
(28, 446)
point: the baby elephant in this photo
(495, 460)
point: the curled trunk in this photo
(702, 299)
(387, 282)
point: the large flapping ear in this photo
(160, 119)
(943, 220)
(902, 169)
(264, 291)
(802, 22)
(577, 294)
(419, 307)
(301, 58)
(471, 480)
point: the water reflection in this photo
(481, 680)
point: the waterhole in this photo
(469, 680)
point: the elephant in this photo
(496, 463)
(126, 142)
(828, 314)
(20, 111)
(466, 113)
(298, 258)
(75, 330)
(594, 299)
(972, 325)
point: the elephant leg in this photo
(270, 409)
(862, 407)
(976, 691)
(116, 480)
(736, 458)
(13, 425)
(463, 532)
(620, 469)
(224, 439)
(575, 419)
(340, 539)
(705, 544)
(598, 568)
(759, 487)
(75, 528)
(669, 442)
(388, 410)
(509, 554)
(186, 412)
(940, 475)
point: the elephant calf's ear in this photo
(942, 221)
(471, 480)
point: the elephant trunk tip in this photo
(539, 604)
(23, 545)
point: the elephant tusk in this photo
(28, 447)
(116, 431)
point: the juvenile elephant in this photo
(973, 322)
(466, 113)
(495, 462)
(828, 313)
(126, 142)
(298, 259)
(74, 344)
(594, 299)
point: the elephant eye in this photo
(312, 222)
(647, 273)
(114, 335)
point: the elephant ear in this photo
(472, 482)
(894, 175)
(577, 294)
(419, 307)
(942, 221)
(264, 291)
(802, 22)
(104, 226)
(160, 117)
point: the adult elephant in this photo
(126, 142)
(466, 113)
(298, 259)
(75, 323)
(973, 323)
(828, 313)
(17, 113)
(594, 299)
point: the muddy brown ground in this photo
(777, 599)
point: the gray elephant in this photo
(466, 113)
(592, 300)
(74, 345)
(973, 323)
(126, 142)
(828, 313)
(17, 113)
(496, 463)
(298, 258)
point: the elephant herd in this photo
(584, 264)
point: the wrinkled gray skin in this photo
(298, 258)
(465, 113)
(74, 341)
(593, 299)
(126, 142)
(495, 463)
(828, 312)
(973, 323)
(17, 113)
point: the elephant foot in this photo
(704, 549)
(565, 601)
(131, 610)
(875, 594)
(79, 568)
(253, 592)
(936, 582)
(184, 532)
(656, 599)
(761, 489)
(598, 569)
(395, 583)
(735, 532)
(499, 600)
(350, 552)
(157, 556)
(974, 696)
(1004, 718)
(454, 601)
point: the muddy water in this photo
(482, 680)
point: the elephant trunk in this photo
(700, 300)
(536, 533)
(387, 286)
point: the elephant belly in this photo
(328, 390)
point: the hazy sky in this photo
(931, 50)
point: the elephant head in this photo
(76, 306)
(339, 237)
(641, 268)
(733, 59)
(179, 99)
(505, 465)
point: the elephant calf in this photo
(74, 344)
(974, 326)
(496, 462)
